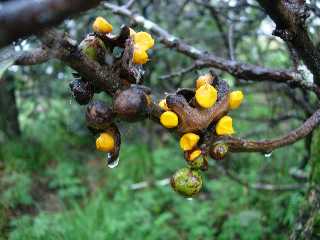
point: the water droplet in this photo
(110, 163)
(108, 157)
(267, 155)
(114, 163)
(190, 199)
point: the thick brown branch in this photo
(242, 145)
(65, 49)
(193, 119)
(33, 57)
(20, 18)
(290, 17)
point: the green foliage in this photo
(64, 179)
(244, 225)
(227, 210)
(16, 189)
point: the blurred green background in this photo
(54, 185)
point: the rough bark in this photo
(20, 18)
(9, 123)
(290, 17)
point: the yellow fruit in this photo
(235, 99)
(206, 96)
(105, 142)
(224, 126)
(143, 40)
(163, 105)
(204, 79)
(140, 56)
(194, 155)
(169, 119)
(188, 141)
(100, 25)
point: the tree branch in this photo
(106, 78)
(242, 145)
(66, 50)
(36, 56)
(20, 18)
(181, 72)
(290, 17)
(237, 69)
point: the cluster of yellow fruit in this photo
(142, 41)
(205, 96)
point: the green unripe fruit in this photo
(94, 48)
(187, 182)
(218, 151)
(200, 163)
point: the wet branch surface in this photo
(107, 78)
(64, 49)
(20, 18)
(290, 18)
(204, 59)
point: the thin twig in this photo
(261, 186)
(179, 73)
(237, 69)
(146, 184)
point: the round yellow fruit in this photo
(206, 96)
(169, 119)
(188, 141)
(140, 56)
(224, 126)
(194, 155)
(235, 99)
(143, 40)
(105, 142)
(101, 25)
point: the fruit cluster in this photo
(187, 181)
(129, 101)
(198, 115)
(99, 47)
